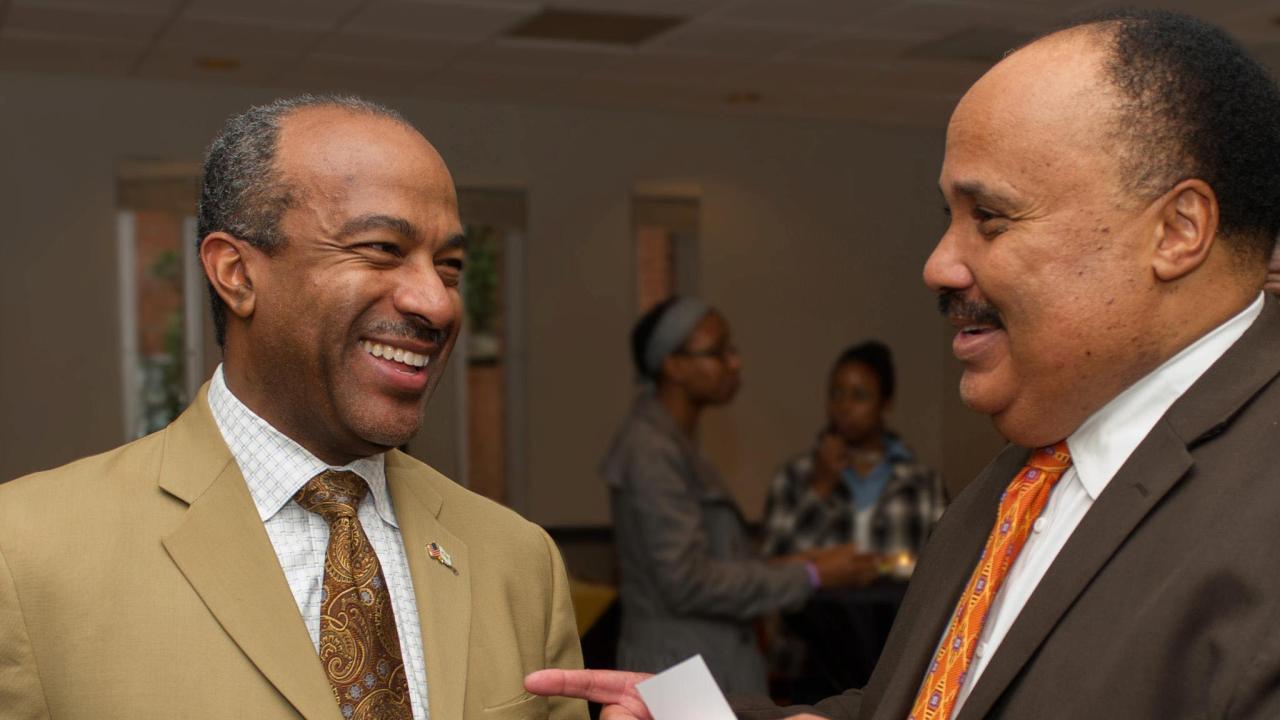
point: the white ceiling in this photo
(882, 61)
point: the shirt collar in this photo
(1102, 444)
(274, 466)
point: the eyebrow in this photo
(397, 225)
(365, 223)
(976, 190)
(457, 241)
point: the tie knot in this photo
(333, 494)
(1051, 459)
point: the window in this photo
(162, 299)
(666, 234)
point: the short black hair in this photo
(876, 356)
(1194, 104)
(642, 331)
(242, 192)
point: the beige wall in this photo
(813, 235)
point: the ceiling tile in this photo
(186, 63)
(304, 13)
(733, 39)
(933, 18)
(163, 7)
(460, 21)
(680, 8)
(43, 53)
(1258, 22)
(817, 14)
(680, 69)
(562, 57)
(230, 36)
(854, 47)
(813, 76)
(381, 46)
(363, 76)
(931, 77)
(86, 22)
(1213, 11)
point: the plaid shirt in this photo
(798, 519)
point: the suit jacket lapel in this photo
(223, 550)
(1156, 466)
(931, 598)
(443, 594)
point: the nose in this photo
(945, 269)
(733, 360)
(422, 293)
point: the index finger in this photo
(608, 687)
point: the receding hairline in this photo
(289, 129)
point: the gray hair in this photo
(242, 192)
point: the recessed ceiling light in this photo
(217, 64)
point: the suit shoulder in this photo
(131, 459)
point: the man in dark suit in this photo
(1112, 190)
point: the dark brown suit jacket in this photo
(1165, 601)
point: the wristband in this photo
(815, 580)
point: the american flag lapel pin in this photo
(441, 556)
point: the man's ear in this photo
(226, 265)
(1187, 229)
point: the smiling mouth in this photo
(978, 329)
(411, 361)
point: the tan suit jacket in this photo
(140, 583)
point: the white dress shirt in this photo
(1099, 447)
(275, 468)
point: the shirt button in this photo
(980, 650)
(1038, 525)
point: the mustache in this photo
(958, 307)
(414, 328)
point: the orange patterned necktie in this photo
(1020, 505)
(359, 646)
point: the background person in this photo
(860, 484)
(691, 580)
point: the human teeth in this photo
(395, 354)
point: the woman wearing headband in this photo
(691, 581)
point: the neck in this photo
(681, 407)
(247, 390)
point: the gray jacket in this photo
(691, 581)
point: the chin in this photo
(387, 440)
(387, 430)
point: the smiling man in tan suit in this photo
(269, 555)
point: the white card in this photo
(685, 692)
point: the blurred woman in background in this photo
(859, 483)
(691, 582)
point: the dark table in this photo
(844, 631)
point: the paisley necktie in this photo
(359, 646)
